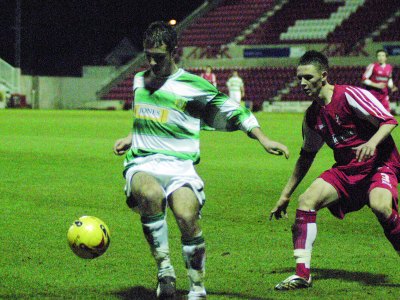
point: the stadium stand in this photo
(318, 28)
(340, 24)
(269, 32)
(355, 28)
(391, 31)
(227, 21)
(261, 83)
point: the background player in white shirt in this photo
(235, 86)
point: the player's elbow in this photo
(366, 81)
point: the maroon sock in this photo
(391, 227)
(304, 233)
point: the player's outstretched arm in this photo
(301, 168)
(378, 85)
(122, 145)
(270, 146)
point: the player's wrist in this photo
(285, 196)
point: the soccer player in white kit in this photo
(236, 87)
(162, 148)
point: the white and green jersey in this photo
(235, 84)
(167, 115)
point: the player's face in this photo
(160, 60)
(381, 56)
(311, 79)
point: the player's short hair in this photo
(315, 58)
(381, 50)
(159, 33)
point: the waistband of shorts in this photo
(148, 158)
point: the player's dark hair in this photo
(381, 50)
(159, 33)
(315, 58)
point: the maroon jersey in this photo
(378, 73)
(210, 78)
(349, 120)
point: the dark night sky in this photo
(58, 37)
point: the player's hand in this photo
(394, 89)
(365, 151)
(280, 208)
(276, 148)
(270, 146)
(381, 85)
(122, 145)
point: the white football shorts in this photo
(171, 172)
(236, 96)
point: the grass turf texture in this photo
(56, 166)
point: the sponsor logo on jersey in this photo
(340, 138)
(148, 112)
(180, 104)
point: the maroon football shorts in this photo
(353, 188)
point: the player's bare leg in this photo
(151, 204)
(304, 232)
(380, 200)
(185, 206)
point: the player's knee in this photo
(380, 205)
(149, 201)
(187, 220)
(148, 195)
(185, 217)
(307, 202)
(132, 202)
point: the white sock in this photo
(155, 229)
(194, 255)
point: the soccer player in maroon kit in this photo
(378, 79)
(352, 122)
(209, 76)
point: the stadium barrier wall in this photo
(238, 60)
(292, 106)
(45, 92)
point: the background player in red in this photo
(210, 76)
(352, 122)
(378, 79)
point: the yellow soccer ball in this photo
(88, 237)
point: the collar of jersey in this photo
(176, 74)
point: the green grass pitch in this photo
(56, 166)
